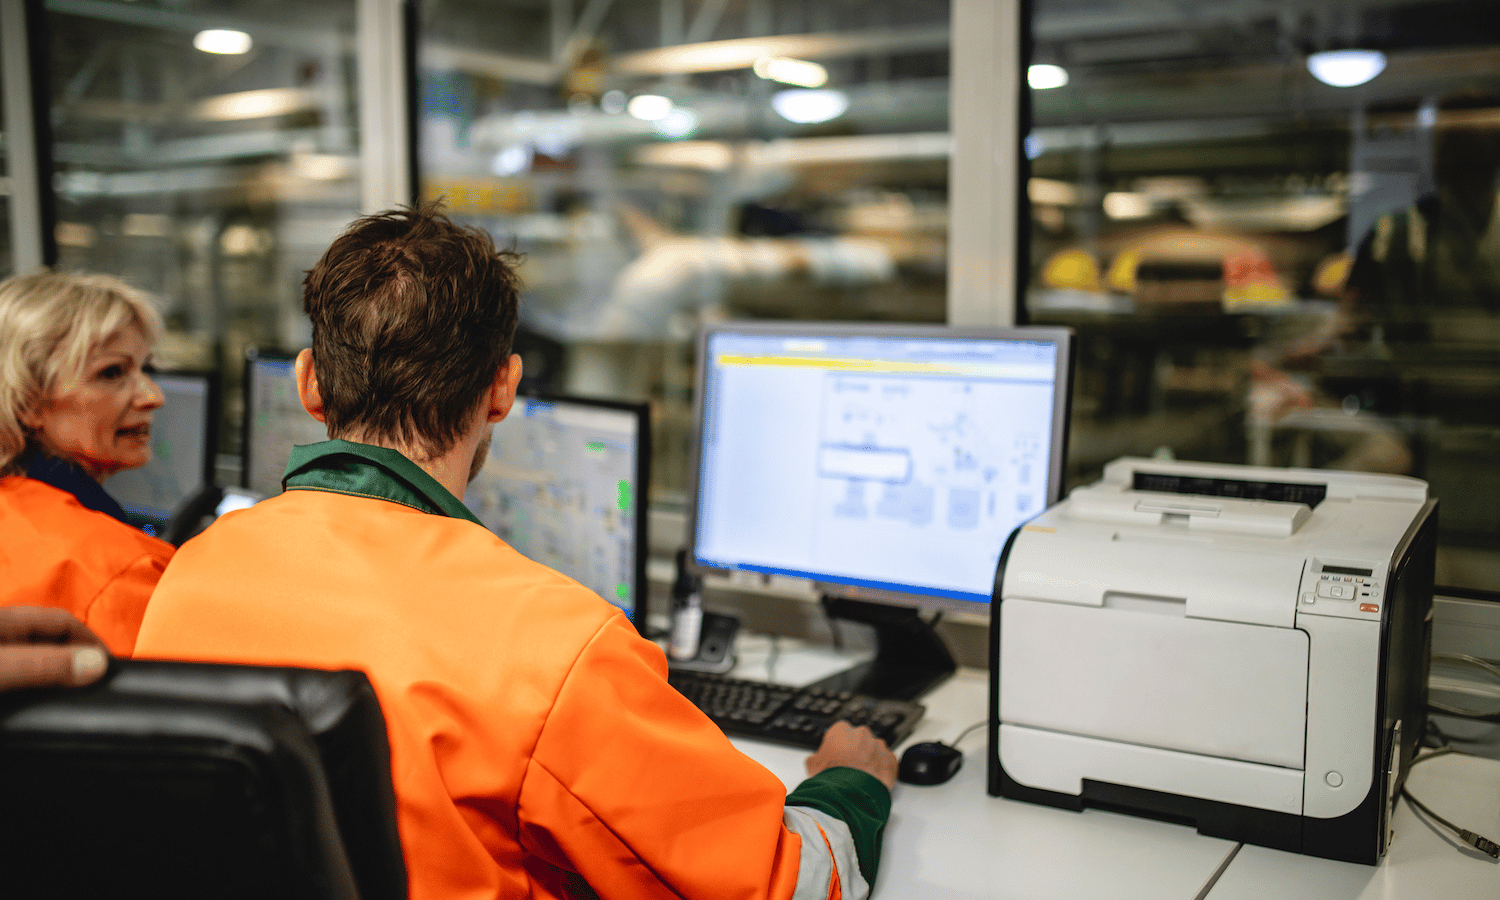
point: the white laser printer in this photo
(1240, 648)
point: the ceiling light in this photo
(257, 104)
(1346, 68)
(679, 123)
(791, 71)
(513, 160)
(649, 107)
(1126, 205)
(220, 40)
(808, 107)
(1044, 76)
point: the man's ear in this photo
(503, 388)
(307, 386)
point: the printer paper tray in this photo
(1199, 687)
(1057, 762)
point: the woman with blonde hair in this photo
(76, 404)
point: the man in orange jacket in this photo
(536, 747)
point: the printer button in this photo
(1334, 779)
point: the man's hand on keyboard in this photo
(857, 748)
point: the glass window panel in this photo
(655, 180)
(1267, 268)
(212, 179)
(7, 265)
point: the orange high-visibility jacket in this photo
(536, 747)
(56, 552)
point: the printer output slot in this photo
(1146, 603)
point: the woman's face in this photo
(103, 423)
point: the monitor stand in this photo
(910, 658)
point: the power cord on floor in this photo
(1477, 841)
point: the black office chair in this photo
(171, 779)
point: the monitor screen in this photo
(183, 442)
(564, 484)
(884, 463)
(274, 421)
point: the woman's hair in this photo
(49, 322)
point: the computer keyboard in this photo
(788, 715)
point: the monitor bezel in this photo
(213, 388)
(208, 477)
(1060, 337)
(641, 590)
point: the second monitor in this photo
(886, 463)
(563, 482)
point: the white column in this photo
(982, 176)
(384, 98)
(20, 140)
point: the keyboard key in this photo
(796, 716)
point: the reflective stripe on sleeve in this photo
(827, 852)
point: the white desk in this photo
(955, 841)
(1421, 862)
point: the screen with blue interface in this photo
(564, 484)
(182, 452)
(882, 462)
(274, 421)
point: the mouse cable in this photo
(1477, 841)
(1475, 662)
(965, 733)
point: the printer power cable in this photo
(1474, 662)
(1477, 841)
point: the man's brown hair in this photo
(411, 317)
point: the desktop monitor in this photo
(565, 483)
(184, 439)
(275, 421)
(885, 463)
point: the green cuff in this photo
(856, 798)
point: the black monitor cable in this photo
(772, 656)
(1477, 841)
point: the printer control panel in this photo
(1342, 590)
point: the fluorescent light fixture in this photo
(222, 40)
(322, 166)
(1346, 68)
(712, 156)
(257, 104)
(808, 107)
(649, 107)
(797, 72)
(1045, 76)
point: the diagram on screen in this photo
(561, 494)
(953, 462)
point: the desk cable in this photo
(1477, 841)
(1474, 662)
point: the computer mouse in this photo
(930, 762)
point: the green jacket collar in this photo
(362, 470)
